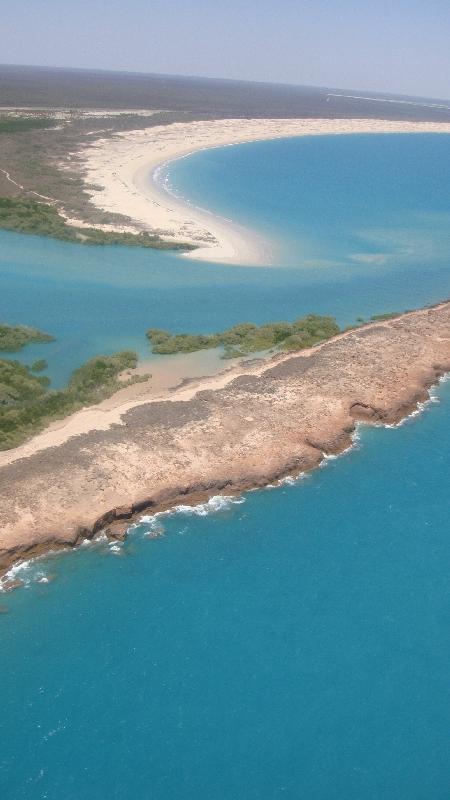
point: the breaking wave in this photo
(215, 505)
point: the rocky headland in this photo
(260, 422)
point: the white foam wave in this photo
(18, 572)
(421, 407)
(288, 480)
(216, 504)
(329, 457)
(212, 506)
(27, 572)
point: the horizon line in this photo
(353, 93)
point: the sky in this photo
(399, 46)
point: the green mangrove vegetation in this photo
(387, 315)
(11, 124)
(39, 365)
(14, 337)
(27, 405)
(240, 340)
(31, 216)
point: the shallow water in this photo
(353, 204)
(97, 300)
(294, 645)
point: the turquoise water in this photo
(293, 645)
(102, 299)
(352, 204)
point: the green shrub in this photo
(39, 365)
(9, 124)
(30, 216)
(382, 317)
(248, 338)
(14, 337)
(27, 405)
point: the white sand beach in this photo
(125, 169)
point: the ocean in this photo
(292, 643)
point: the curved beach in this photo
(125, 170)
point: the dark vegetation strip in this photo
(240, 340)
(14, 337)
(22, 124)
(245, 338)
(30, 216)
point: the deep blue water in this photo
(295, 645)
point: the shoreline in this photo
(124, 171)
(119, 531)
(225, 240)
(211, 372)
(256, 425)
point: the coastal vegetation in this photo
(16, 124)
(31, 216)
(14, 337)
(27, 405)
(240, 340)
(39, 365)
(382, 317)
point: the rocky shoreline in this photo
(269, 422)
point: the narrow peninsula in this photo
(245, 428)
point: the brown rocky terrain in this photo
(274, 419)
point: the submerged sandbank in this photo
(123, 169)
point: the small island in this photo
(14, 337)
(240, 340)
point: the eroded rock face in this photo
(276, 419)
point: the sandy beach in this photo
(127, 172)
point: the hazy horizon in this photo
(399, 48)
(359, 89)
